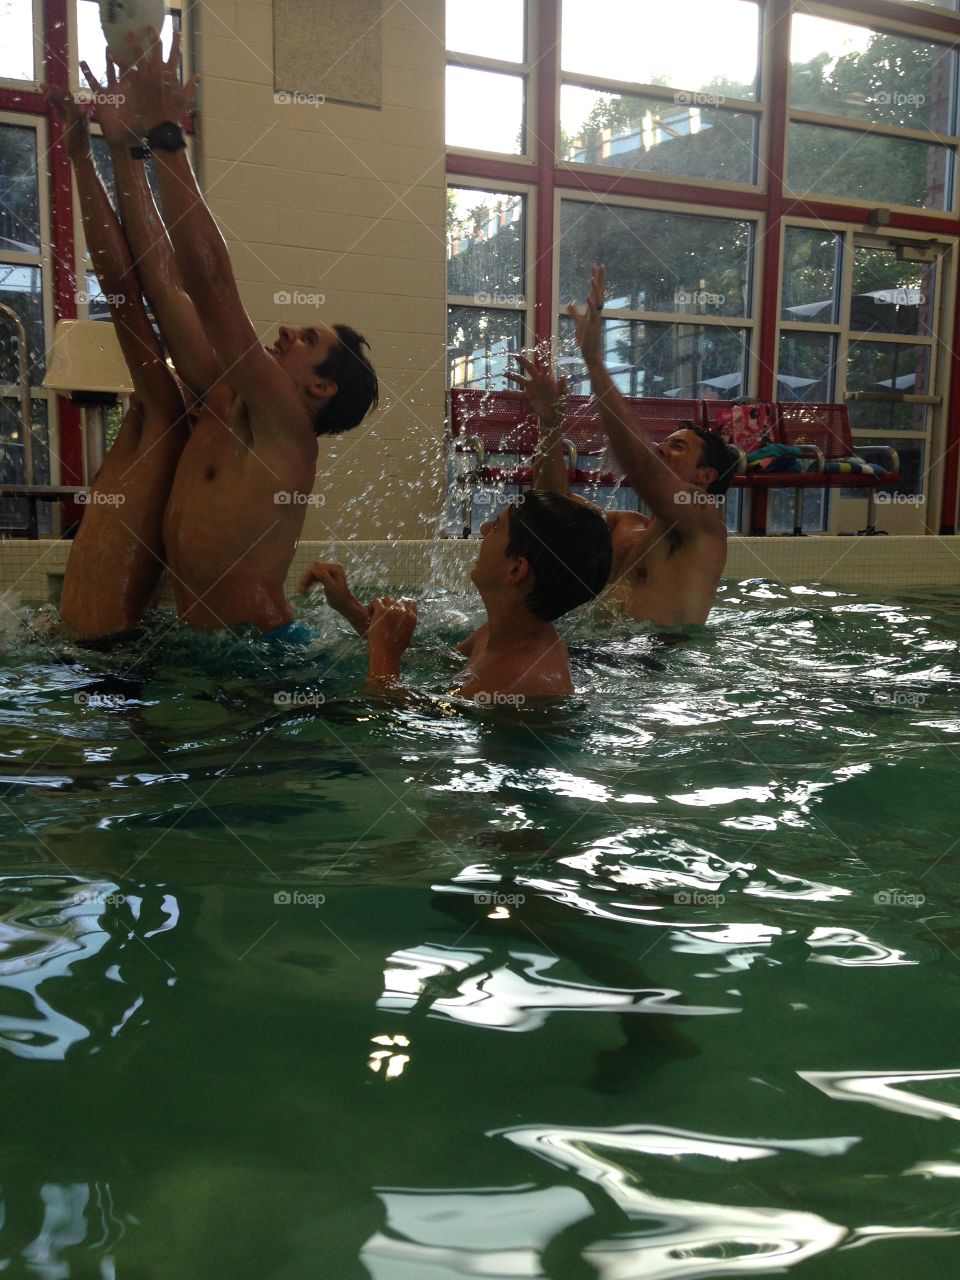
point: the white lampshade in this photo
(86, 356)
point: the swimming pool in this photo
(661, 982)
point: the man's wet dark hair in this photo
(348, 365)
(716, 454)
(567, 545)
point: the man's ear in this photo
(710, 472)
(323, 389)
(519, 570)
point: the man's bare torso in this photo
(229, 540)
(662, 576)
(535, 670)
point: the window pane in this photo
(889, 366)
(485, 245)
(14, 511)
(93, 44)
(681, 361)
(689, 137)
(484, 111)
(871, 416)
(872, 168)
(911, 461)
(479, 342)
(656, 261)
(807, 367)
(811, 283)
(846, 70)
(20, 289)
(16, 47)
(707, 45)
(19, 198)
(891, 296)
(493, 31)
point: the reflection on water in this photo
(49, 926)
(889, 1092)
(258, 957)
(514, 996)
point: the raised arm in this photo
(333, 579)
(546, 396)
(653, 481)
(113, 264)
(202, 259)
(392, 623)
(150, 245)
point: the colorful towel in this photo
(777, 457)
(747, 425)
(855, 467)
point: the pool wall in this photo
(34, 570)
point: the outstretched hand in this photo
(153, 84)
(112, 104)
(589, 325)
(333, 579)
(545, 394)
(72, 119)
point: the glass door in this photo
(890, 355)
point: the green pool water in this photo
(662, 982)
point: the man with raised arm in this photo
(237, 506)
(116, 560)
(666, 567)
(540, 558)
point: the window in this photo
(864, 104)
(19, 21)
(695, 273)
(91, 47)
(486, 284)
(486, 76)
(24, 268)
(697, 62)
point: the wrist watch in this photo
(167, 136)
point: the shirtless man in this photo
(116, 559)
(540, 558)
(666, 567)
(236, 509)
